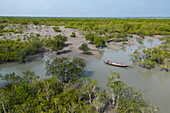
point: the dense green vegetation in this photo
(19, 50)
(16, 50)
(157, 55)
(56, 29)
(55, 43)
(96, 39)
(66, 92)
(73, 34)
(84, 47)
(97, 30)
(109, 29)
(127, 99)
(4, 31)
(65, 70)
(102, 25)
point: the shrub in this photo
(73, 34)
(99, 41)
(18, 32)
(84, 47)
(56, 29)
(90, 36)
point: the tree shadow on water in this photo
(87, 74)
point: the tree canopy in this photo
(55, 43)
(84, 47)
(66, 92)
(65, 70)
(151, 56)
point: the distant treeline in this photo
(101, 26)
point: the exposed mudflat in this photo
(72, 45)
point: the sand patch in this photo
(72, 45)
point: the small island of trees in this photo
(159, 55)
(84, 47)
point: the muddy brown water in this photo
(154, 83)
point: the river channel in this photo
(154, 83)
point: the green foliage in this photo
(22, 92)
(55, 43)
(151, 56)
(3, 21)
(9, 30)
(73, 34)
(12, 78)
(90, 36)
(99, 41)
(61, 37)
(101, 26)
(117, 37)
(35, 22)
(70, 102)
(20, 32)
(50, 95)
(147, 64)
(2, 34)
(9, 49)
(84, 47)
(136, 56)
(2, 27)
(16, 50)
(26, 93)
(37, 35)
(114, 82)
(96, 27)
(65, 70)
(126, 98)
(166, 64)
(27, 77)
(34, 46)
(67, 94)
(56, 29)
(6, 30)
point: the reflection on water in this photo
(154, 84)
(37, 66)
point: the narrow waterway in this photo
(154, 84)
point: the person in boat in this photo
(109, 61)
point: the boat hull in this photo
(115, 64)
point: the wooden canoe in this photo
(115, 64)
